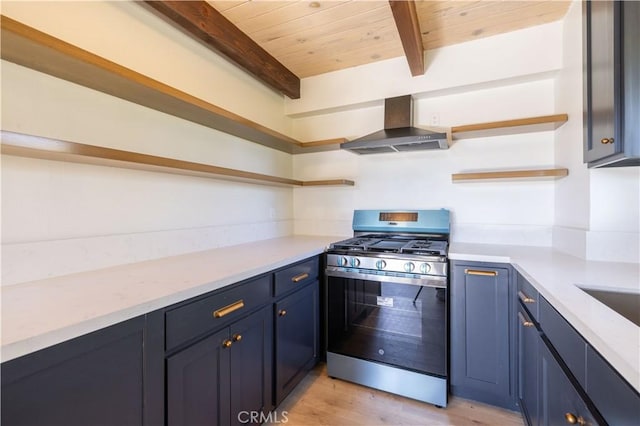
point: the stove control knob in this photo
(381, 264)
(425, 268)
(355, 262)
(409, 266)
(343, 261)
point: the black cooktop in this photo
(393, 244)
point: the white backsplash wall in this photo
(60, 218)
(514, 212)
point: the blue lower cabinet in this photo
(95, 379)
(297, 339)
(482, 333)
(615, 399)
(561, 402)
(225, 378)
(529, 341)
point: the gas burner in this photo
(358, 243)
(428, 247)
(393, 244)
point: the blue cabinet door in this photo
(528, 360)
(198, 383)
(93, 379)
(482, 334)
(251, 367)
(296, 338)
(611, 90)
(560, 402)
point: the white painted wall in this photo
(517, 212)
(528, 55)
(59, 218)
(497, 78)
(597, 210)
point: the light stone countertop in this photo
(42, 313)
(555, 275)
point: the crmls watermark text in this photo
(259, 417)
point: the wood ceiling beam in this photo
(406, 17)
(202, 21)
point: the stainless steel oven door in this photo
(378, 319)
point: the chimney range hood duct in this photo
(398, 135)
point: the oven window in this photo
(397, 324)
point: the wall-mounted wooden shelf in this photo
(34, 49)
(511, 174)
(509, 127)
(26, 46)
(22, 145)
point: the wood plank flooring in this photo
(320, 400)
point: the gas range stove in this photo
(387, 299)
(410, 247)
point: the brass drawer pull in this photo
(236, 337)
(300, 277)
(524, 321)
(572, 419)
(483, 273)
(227, 344)
(282, 313)
(525, 298)
(228, 309)
(606, 140)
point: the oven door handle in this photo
(427, 280)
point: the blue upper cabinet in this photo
(611, 83)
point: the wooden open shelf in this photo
(26, 46)
(39, 51)
(22, 145)
(509, 127)
(511, 174)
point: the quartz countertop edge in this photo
(42, 313)
(556, 276)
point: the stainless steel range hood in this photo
(398, 134)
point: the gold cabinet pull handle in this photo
(228, 309)
(282, 312)
(524, 321)
(572, 419)
(227, 343)
(483, 273)
(525, 298)
(236, 337)
(300, 277)
(606, 140)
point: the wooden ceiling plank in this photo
(467, 22)
(324, 20)
(406, 17)
(248, 9)
(311, 37)
(202, 21)
(287, 15)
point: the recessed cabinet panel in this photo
(528, 355)
(569, 344)
(296, 338)
(600, 79)
(616, 400)
(611, 101)
(96, 379)
(561, 402)
(195, 383)
(481, 348)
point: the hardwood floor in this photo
(320, 400)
